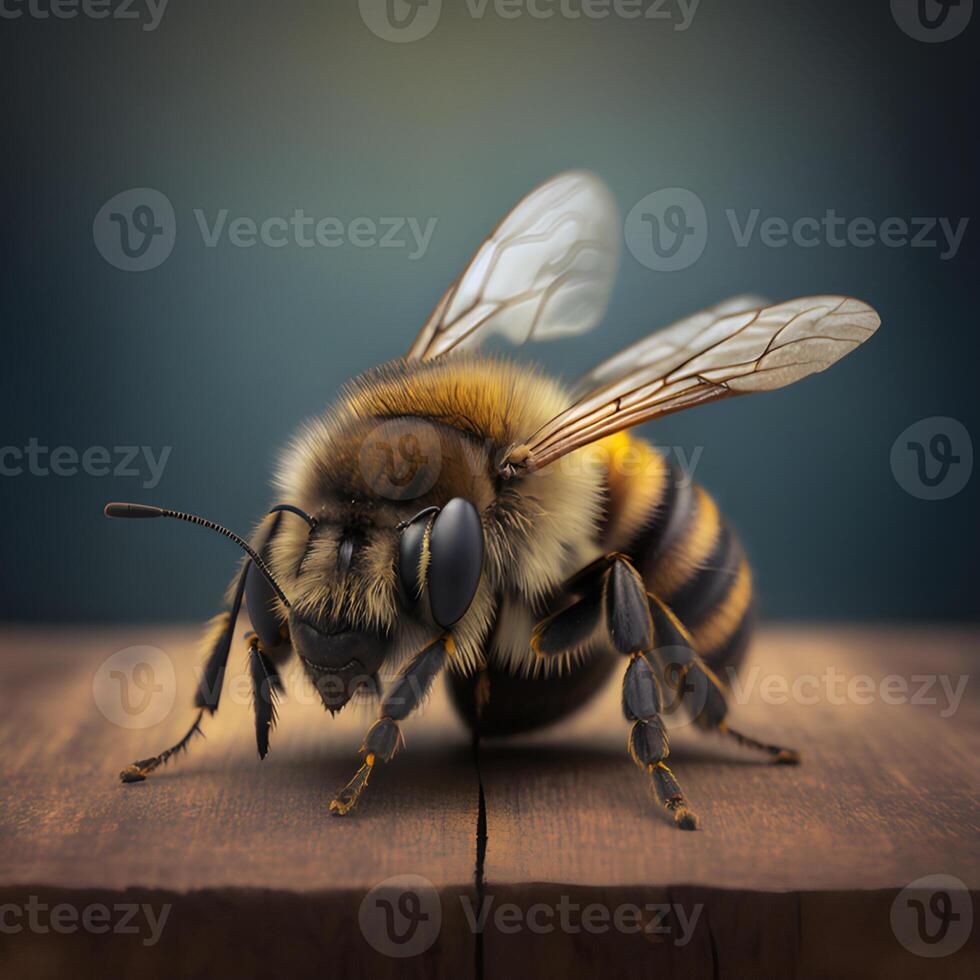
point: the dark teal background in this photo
(261, 108)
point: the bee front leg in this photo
(613, 600)
(383, 738)
(137, 771)
(217, 642)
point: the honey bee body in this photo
(466, 411)
(463, 512)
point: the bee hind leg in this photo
(648, 741)
(697, 683)
(383, 738)
(779, 754)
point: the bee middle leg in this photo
(383, 738)
(613, 599)
(267, 687)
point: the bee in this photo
(461, 513)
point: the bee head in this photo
(396, 555)
(341, 629)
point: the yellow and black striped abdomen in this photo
(687, 553)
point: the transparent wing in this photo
(546, 271)
(658, 349)
(695, 361)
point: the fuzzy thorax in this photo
(411, 434)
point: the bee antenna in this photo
(292, 509)
(148, 510)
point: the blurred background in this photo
(165, 331)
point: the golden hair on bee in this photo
(460, 413)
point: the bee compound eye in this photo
(455, 561)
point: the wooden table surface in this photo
(795, 870)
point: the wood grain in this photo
(217, 817)
(795, 869)
(794, 872)
(886, 792)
